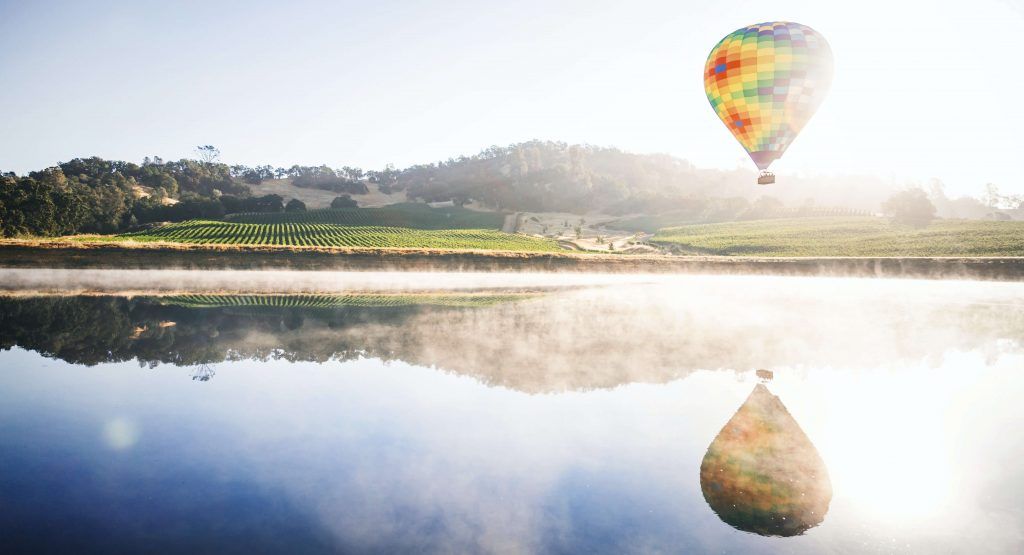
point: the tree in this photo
(252, 176)
(326, 178)
(295, 205)
(992, 196)
(995, 200)
(764, 207)
(344, 201)
(910, 207)
(354, 174)
(269, 203)
(208, 153)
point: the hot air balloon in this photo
(765, 81)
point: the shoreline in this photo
(27, 254)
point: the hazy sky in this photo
(922, 89)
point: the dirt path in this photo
(511, 223)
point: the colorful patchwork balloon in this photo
(765, 81)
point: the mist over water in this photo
(526, 412)
(285, 281)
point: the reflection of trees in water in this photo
(762, 474)
(573, 340)
(91, 330)
(203, 373)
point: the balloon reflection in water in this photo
(762, 474)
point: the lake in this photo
(385, 412)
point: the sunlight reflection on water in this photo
(120, 433)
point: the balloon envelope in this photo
(765, 81)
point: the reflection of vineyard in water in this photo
(335, 301)
(569, 340)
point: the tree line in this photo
(545, 176)
(92, 330)
(93, 195)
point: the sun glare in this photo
(888, 448)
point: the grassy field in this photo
(411, 215)
(848, 236)
(209, 232)
(652, 223)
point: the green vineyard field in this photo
(846, 236)
(411, 215)
(332, 235)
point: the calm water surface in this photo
(609, 415)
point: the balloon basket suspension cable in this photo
(765, 178)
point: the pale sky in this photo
(921, 90)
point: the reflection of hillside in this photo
(570, 340)
(762, 474)
(194, 329)
(91, 330)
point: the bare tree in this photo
(208, 153)
(992, 196)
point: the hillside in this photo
(846, 237)
(321, 198)
(93, 195)
(715, 212)
(544, 176)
